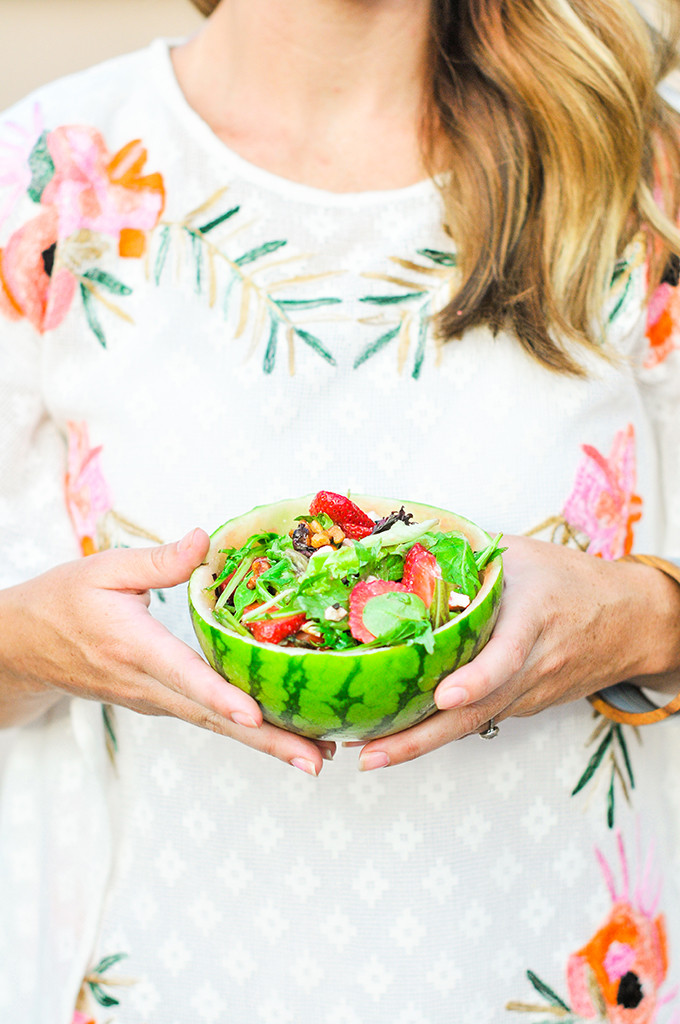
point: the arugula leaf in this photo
(255, 545)
(457, 561)
(243, 596)
(336, 637)
(487, 554)
(397, 618)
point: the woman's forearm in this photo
(22, 698)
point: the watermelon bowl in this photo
(341, 695)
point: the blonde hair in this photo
(560, 150)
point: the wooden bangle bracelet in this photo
(624, 702)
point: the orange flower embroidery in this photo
(663, 324)
(618, 974)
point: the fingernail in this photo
(185, 543)
(241, 718)
(451, 697)
(304, 765)
(326, 753)
(374, 759)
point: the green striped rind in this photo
(342, 694)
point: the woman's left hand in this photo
(569, 625)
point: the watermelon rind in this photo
(342, 695)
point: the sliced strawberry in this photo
(353, 520)
(421, 571)
(362, 593)
(273, 631)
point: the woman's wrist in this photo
(23, 698)
(660, 579)
(658, 638)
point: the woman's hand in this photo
(569, 625)
(84, 629)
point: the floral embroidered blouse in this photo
(183, 336)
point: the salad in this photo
(342, 579)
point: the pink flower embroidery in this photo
(83, 191)
(663, 324)
(30, 285)
(87, 493)
(95, 191)
(603, 503)
(15, 169)
(82, 1018)
(619, 972)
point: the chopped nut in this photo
(311, 629)
(336, 535)
(315, 526)
(335, 614)
(318, 540)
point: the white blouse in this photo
(183, 336)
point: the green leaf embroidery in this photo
(270, 353)
(314, 343)
(594, 762)
(618, 732)
(162, 253)
(107, 281)
(107, 715)
(227, 296)
(100, 995)
(306, 303)
(108, 962)
(197, 248)
(547, 992)
(41, 166)
(420, 351)
(91, 315)
(611, 797)
(391, 300)
(376, 346)
(621, 299)
(443, 259)
(261, 250)
(212, 224)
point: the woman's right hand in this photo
(84, 629)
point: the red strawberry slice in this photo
(273, 631)
(421, 571)
(362, 593)
(353, 520)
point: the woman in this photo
(395, 247)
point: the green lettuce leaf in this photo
(398, 618)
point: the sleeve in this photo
(35, 530)
(659, 377)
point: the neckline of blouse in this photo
(286, 188)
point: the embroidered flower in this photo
(603, 503)
(31, 285)
(82, 1018)
(87, 494)
(15, 160)
(617, 976)
(92, 190)
(618, 973)
(88, 199)
(663, 324)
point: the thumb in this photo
(140, 569)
